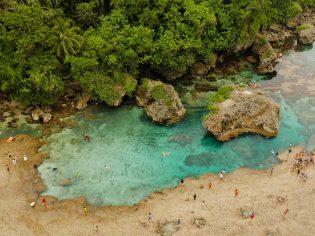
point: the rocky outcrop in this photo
(267, 55)
(199, 69)
(5, 111)
(244, 45)
(244, 112)
(82, 102)
(306, 17)
(160, 101)
(306, 34)
(203, 68)
(39, 114)
(173, 75)
(123, 89)
(277, 33)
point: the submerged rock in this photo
(307, 34)
(244, 112)
(182, 139)
(202, 159)
(160, 101)
(66, 182)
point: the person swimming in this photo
(166, 154)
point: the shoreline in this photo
(167, 206)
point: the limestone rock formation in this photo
(199, 69)
(307, 35)
(244, 112)
(277, 33)
(82, 101)
(160, 101)
(306, 17)
(38, 114)
(203, 68)
(173, 75)
(267, 56)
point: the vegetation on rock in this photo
(221, 95)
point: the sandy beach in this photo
(215, 211)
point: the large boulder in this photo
(244, 112)
(306, 34)
(160, 101)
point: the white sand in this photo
(217, 206)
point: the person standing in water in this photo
(86, 137)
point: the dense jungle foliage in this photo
(46, 43)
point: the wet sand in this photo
(214, 212)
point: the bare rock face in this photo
(244, 112)
(83, 101)
(307, 35)
(160, 101)
(267, 56)
(39, 114)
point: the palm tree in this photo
(68, 39)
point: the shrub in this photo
(220, 96)
(159, 94)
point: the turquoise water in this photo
(123, 163)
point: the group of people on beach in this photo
(301, 160)
(14, 160)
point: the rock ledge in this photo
(245, 111)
